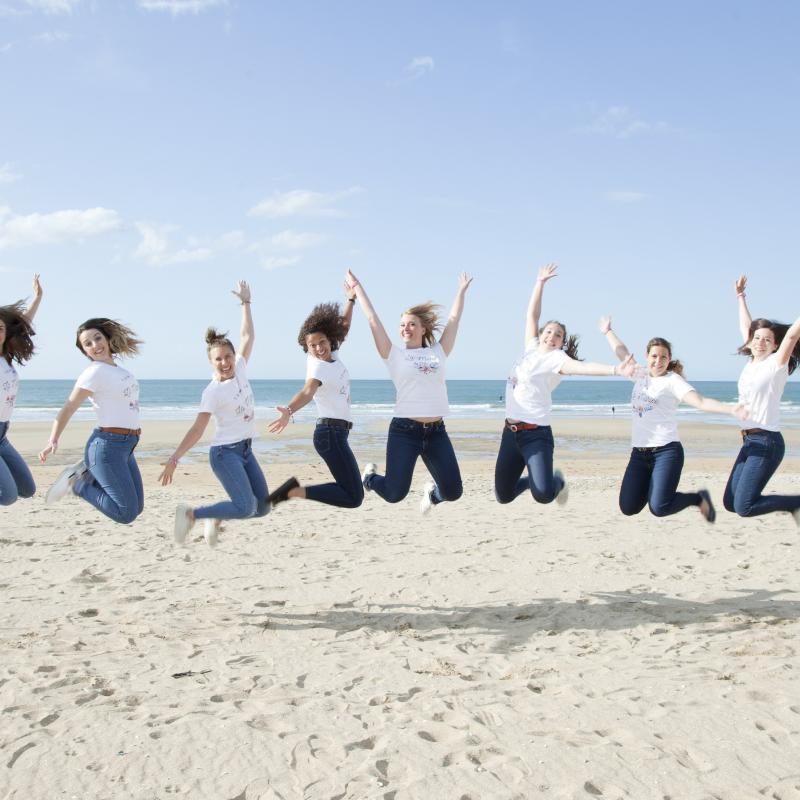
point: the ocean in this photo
(373, 399)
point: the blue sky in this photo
(154, 151)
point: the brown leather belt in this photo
(123, 431)
(521, 426)
(748, 431)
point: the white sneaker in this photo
(796, 515)
(211, 531)
(563, 495)
(426, 504)
(369, 469)
(183, 522)
(64, 482)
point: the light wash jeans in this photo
(237, 469)
(15, 476)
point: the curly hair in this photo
(326, 318)
(570, 346)
(122, 340)
(428, 315)
(216, 339)
(674, 365)
(779, 329)
(18, 345)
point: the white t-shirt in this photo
(333, 396)
(115, 394)
(418, 377)
(232, 404)
(531, 382)
(761, 386)
(9, 380)
(654, 404)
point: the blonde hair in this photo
(122, 340)
(428, 315)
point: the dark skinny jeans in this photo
(532, 449)
(409, 440)
(330, 441)
(756, 463)
(651, 478)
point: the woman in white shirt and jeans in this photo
(527, 439)
(229, 399)
(16, 344)
(774, 351)
(654, 469)
(108, 477)
(418, 372)
(328, 384)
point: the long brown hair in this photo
(122, 340)
(18, 345)
(570, 346)
(216, 339)
(777, 328)
(674, 365)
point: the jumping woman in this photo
(527, 439)
(418, 372)
(328, 384)
(654, 469)
(773, 351)
(16, 344)
(229, 399)
(108, 476)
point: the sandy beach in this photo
(485, 651)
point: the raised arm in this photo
(614, 342)
(74, 402)
(701, 403)
(382, 341)
(30, 312)
(574, 367)
(191, 438)
(744, 313)
(347, 316)
(448, 338)
(247, 334)
(789, 342)
(535, 305)
(300, 400)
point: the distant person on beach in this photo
(16, 344)
(527, 439)
(774, 351)
(108, 476)
(654, 469)
(417, 429)
(229, 399)
(328, 384)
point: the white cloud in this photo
(231, 240)
(622, 123)
(419, 66)
(177, 7)
(296, 240)
(154, 247)
(626, 197)
(53, 6)
(4, 48)
(276, 262)
(59, 226)
(7, 174)
(302, 202)
(51, 37)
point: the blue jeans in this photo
(113, 484)
(756, 463)
(240, 475)
(15, 476)
(408, 440)
(331, 443)
(532, 449)
(651, 478)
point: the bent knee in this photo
(658, 511)
(452, 495)
(629, 511)
(542, 498)
(262, 508)
(9, 498)
(127, 516)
